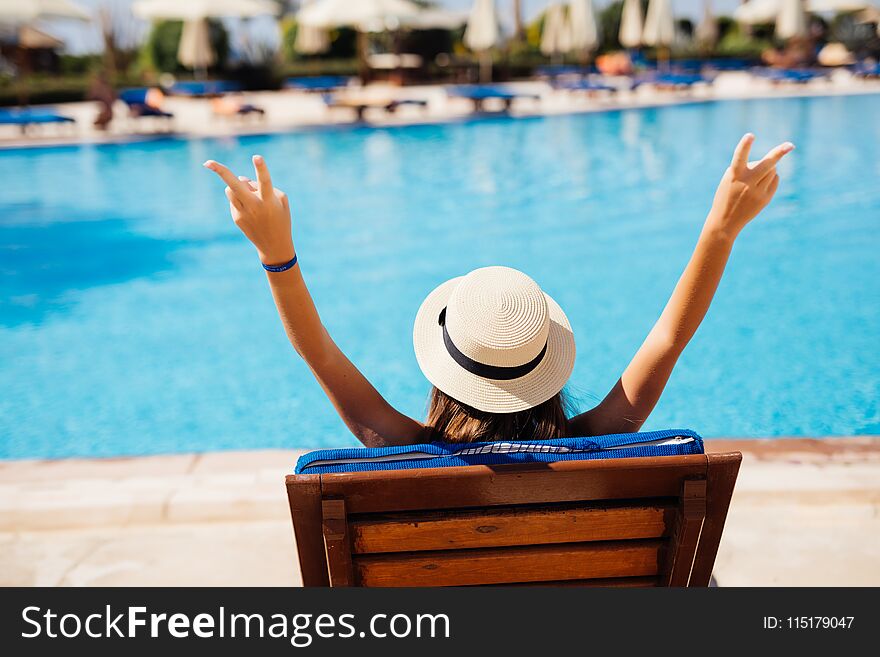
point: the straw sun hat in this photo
(494, 341)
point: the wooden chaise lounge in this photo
(639, 521)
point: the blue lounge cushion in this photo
(317, 83)
(27, 116)
(136, 99)
(584, 85)
(134, 96)
(669, 442)
(486, 92)
(198, 88)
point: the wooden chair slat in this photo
(516, 564)
(337, 546)
(536, 483)
(687, 524)
(497, 527)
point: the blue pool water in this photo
(134, 319)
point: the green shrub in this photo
(318, 67)
(79, 64)
(160, 48)
(737, 44)
(343, 43)
(289, 28)
(52, 89)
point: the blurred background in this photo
(52, 50)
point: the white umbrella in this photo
(376, 15)
(311, 40)
(556, 35)
(630, 35)
(365, 15)
(584, 30)
(437, 19)
(659, 24)
(25, 11)
(184, 10)
(195, 49)
(707, 30)
(836, 6)
(792, 20)
(482, 31)
(757, 12)
(482, 34)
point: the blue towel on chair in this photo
(669, 442)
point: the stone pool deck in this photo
(805, 512)
(293, 110)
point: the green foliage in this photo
(288, 26)
(41, 89)
(857, 37)
(524, 51)
(160, 49)
(318, 67)
(343, 43)
(534, 31)
(726, 24)
(736, 43)
(80, 64)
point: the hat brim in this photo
(489, 395)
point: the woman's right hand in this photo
(746, 188)
(260, 211)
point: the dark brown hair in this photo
(451, 421)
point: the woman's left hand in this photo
(260, 211)
(746, 188)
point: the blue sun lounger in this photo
(136, 99)
(866, 70)
(680, 80)
(26, 116)
(583, 84)
(204, 89)
(731, 64)
(670, 80)
(643, 509)
(317, 84)
(480, 93)
(795, 76)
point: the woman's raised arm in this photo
(744, 191)
(263, 215)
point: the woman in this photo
(496, 348)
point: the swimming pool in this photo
(134, 319)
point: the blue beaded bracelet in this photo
(279, 268)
